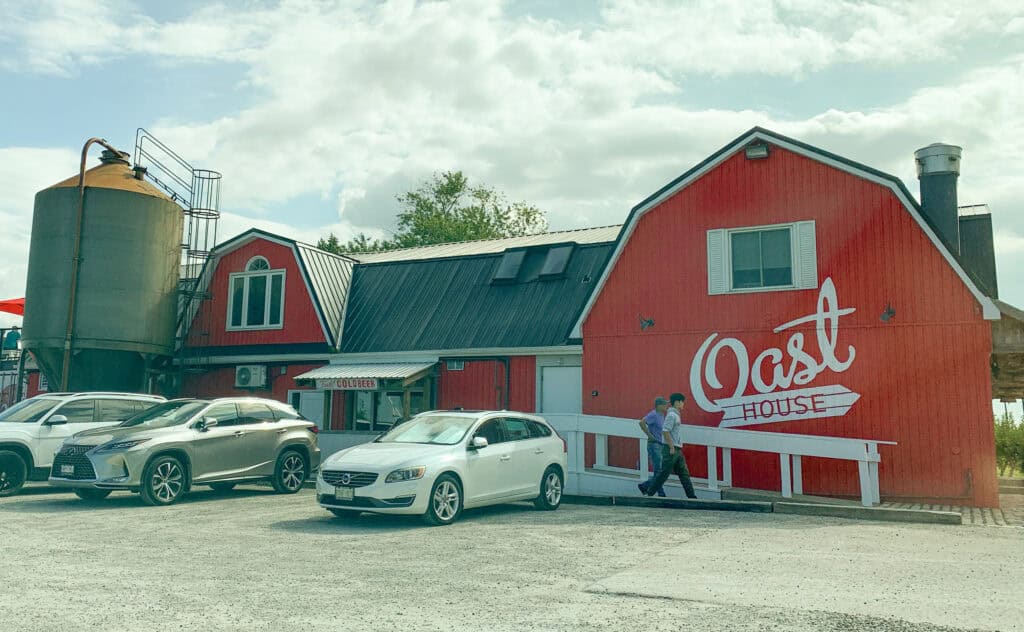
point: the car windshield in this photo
(28, 411)
(436, 429)
(167, 414)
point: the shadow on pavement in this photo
(329, 523)
(62, 500)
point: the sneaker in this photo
(661, 493)
(643, 488)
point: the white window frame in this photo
(246, 276)
(803, 258)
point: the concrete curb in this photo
(671, 503)
(870, 513)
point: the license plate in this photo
(67, 469)
(343, 493)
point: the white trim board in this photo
(989, 309)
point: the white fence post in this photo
(727, 467)
(798, 476)
(600, 450)
(866, 495)
(712, 467)
(787, 480)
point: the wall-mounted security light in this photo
(645, 322)
(756, 151)
(888, 314)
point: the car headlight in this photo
(406, 474)
(120, 445)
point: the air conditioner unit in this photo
(250, 376)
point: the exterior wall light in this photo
(756, 151)
(888, 314)
(645, 322)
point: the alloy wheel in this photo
(167, 481)
(293, 472)
(553, 489)
(446, 500)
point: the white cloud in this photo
(23, 172)
(358, 101)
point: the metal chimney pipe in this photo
(938, 167)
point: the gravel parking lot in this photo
(252, 560)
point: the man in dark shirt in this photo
(673, 461)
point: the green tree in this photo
(445, 209)
(1009, 437)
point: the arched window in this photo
(256, 264)
(256, 297)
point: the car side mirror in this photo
(478, 443)
(206, 423)
(56, 420)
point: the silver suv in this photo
(164, 451)
(31, 430)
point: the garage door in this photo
(561, 389)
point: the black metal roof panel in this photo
(330, 276)
(451, 303)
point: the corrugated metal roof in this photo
(330, 277)
(384, 371)
(450, 303)
(600, 234)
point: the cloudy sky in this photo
(318, 113)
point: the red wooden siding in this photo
(923, 378)
(301, 323)
(481, 385)
(220, 382)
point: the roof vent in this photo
(110, 158)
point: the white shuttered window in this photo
(762, 258)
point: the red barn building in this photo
(786, 289)
(357, 343)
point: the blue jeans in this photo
(654, 454)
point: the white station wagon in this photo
(440, 462)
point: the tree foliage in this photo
(1009, 444)
(445, 209)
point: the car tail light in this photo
(314, 429)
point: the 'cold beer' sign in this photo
(785, 395)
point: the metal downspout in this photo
(76, 259)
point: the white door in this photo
(561, 389)
(311, 406)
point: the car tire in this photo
(445, 502)
(13, 473)
(551, 488)
(221, 488)
(290, 472)
(163, 481)
(92, 495)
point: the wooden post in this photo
(727, 467)
(866, 495)
(712, 467)
(600, 451)
(787, 480)
(798, 476)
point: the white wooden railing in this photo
(603, 479)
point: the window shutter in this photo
(807, 256)
(717, 281)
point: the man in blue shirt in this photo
(652, 425)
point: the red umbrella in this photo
(13, 306)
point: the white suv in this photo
(32, 430)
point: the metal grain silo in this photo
(125, 295)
